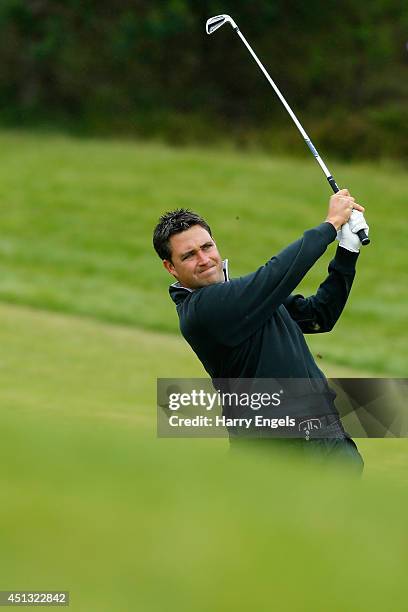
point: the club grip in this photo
(364, 239)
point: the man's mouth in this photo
(211, 268)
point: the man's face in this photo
(195, 260)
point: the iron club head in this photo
(217, 22)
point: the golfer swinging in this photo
(252, 327)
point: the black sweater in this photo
(251, 327)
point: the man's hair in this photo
(171, 223)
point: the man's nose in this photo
(202, 258)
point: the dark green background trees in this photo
(147, 68)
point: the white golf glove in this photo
(347, 235)
(357, 222)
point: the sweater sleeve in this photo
(233, 311)
(319, 313)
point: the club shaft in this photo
(361, 234)
(286, 105)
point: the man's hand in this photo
(347, 238)
(357, 222)
(341, 206)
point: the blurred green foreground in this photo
(92, 502)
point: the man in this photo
(252, 327)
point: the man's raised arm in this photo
(319, 313)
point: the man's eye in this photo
(207, 246)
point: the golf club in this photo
(217, 22)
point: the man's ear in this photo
(169, 267)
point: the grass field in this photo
(92, 501)
(77, 219)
